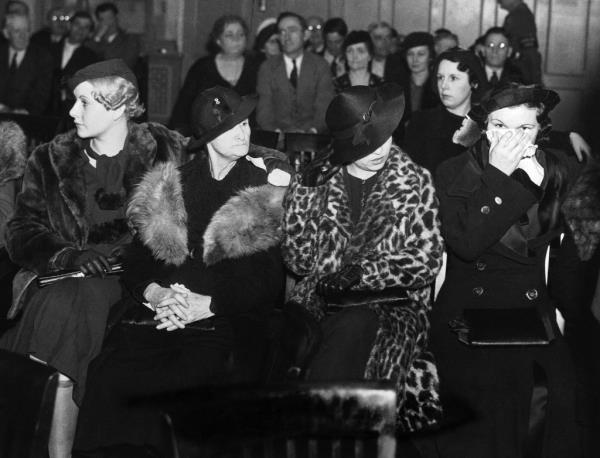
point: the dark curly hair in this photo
(218, 28)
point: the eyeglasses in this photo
(497, 45)
(61, 18)
(312, 28)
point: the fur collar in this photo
(13, 152)
(582, 210)
(248, 223)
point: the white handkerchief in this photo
(533, 168)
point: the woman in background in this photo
(227, 65)
(358, 49)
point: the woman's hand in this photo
(507, 151)
(177, 311)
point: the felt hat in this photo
(511, 95)
(103, 69)
(215, 111)
(361, 119)
(417, 39)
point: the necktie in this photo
(294, 74)
(494, 79)
(333, 68)
(13, 65)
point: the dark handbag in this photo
(503, 327)
(56, 276)
(141, 316)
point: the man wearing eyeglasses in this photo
(315, 39)
(57, 27)
(499, 69)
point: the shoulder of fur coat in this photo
(13, 151)
(248, 223)
(581, 210)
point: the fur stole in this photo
(13, 151)
(581, 210)
(248, 223)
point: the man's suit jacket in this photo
(30, 86)
(81, 57)
(124, 46)
(280, 106)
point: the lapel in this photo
(3, 65)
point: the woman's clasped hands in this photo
(177, 306)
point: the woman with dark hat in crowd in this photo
(228, 65)
(364, 235)
(71, 214)
(460, 82)
(266, 43)
(358, 50)
(206, 255)
(499, 203)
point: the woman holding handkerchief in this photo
(206, 256)
(499, 204)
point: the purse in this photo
(481, 327)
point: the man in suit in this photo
(499, 69)
(390, 67)
(25, 70)
(112, 42)
(295, 88)
(69, 56)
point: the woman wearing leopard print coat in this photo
(365, 235)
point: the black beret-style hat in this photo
(103, 69)
(417, 39)
(514, 94)
(363, 118)
(215, 111)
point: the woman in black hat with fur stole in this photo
(206, 255)
(499, 205)
(364, 235)
(71, 214)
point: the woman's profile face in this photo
(453, 85)
(234, 143)
(519, 117)
(233, 39)
(91, 118)
(376, 160)
(418, 58)
(358, 56)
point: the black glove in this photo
(317, 172)
(339, 281)
(92, 263)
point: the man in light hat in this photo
(71, 214)
(364, 238)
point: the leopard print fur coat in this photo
(397, 243)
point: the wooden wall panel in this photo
(566, 38)
(465, 21)
(412, 16)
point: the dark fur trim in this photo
(13, 151)
(109, 200)
(247, 223)
(109, 231)
(581, 210)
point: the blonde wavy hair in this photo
(114, 91)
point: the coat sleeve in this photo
(302, 209)
(323, 95)
(412, 254)
(476, 211)
(38, 97)
(264, 109)
(180, 116)
(30, 239)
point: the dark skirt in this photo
(140, 362)
(63, 325)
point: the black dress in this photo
(428, 137)
(142, 361)
(203, 74)
(496, 243)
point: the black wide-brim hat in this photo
(361, 119)
(511, 95)
(215, 111)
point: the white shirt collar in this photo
(289, 64)
(489, 71)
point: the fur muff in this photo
(581, 210)
(247, 223)
(13, 151)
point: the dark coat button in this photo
(480, 265)
(478, 290)
(531, 294)
(485, 209)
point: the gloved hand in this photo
(339, 281)
(92, 263)
(317, 172)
